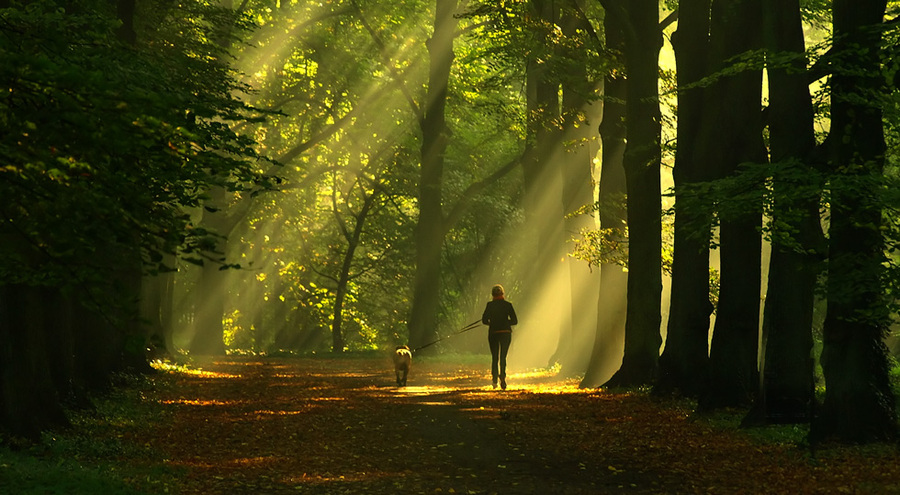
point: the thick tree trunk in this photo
(435, 137)
(157, 293)
(786, 392)
(642, 166)
(611, 198)
(683, 364)
(28, 398)
(859, 404)
(736, 130)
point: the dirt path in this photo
(341, 426)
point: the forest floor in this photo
(242, 425)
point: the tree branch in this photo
(669, 20)
(462, 203)
(390, 67)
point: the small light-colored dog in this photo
(402, 361)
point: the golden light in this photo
(198, 402)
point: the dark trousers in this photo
(499, 343)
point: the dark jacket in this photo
(499, 316)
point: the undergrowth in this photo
(94, 455)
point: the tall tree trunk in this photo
(157, 296)
(212, 286)
(28, 397)
(736, 28)
(579, 114)
(542, 232)
(683, 364)
(859, 404)
(642, 165)
(611, 198)
(786, 392)
(209, 293)
(435, 138)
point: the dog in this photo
(402, 362)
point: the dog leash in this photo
(464, 329)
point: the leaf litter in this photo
(341, 425)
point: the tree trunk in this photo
(611, 196)
(209, 310)
(157, 293)
(642, 165)
(576, 163)
(683, 364)
(28, 398)
(786, 392)
(736, 130)
(353, 241)
(542, 232)
(435, 137)
(859, 404)
(209, 293)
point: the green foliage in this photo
(31, 475)
(348, 82)
(89, 458)
(104, 145)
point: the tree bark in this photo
(735, 127)
(642, 164)
(209, 293)
(786, 365)
(28, 398)
(859, 405)
(435, 138)
(683, 364)
(542, 232)
(353, 241)
(576, 163)
(613, 278)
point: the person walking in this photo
(500, 316)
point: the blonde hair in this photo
(497, 290)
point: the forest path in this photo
(340, 425)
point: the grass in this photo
(93, 455)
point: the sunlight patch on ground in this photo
(344, 375)
(530, 388)
(278, 413)
(241, 363)
(424, 390)
(197, 402)
(176, 368)
(535, 373)
(480, 409)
